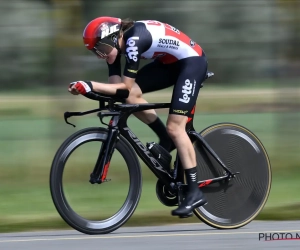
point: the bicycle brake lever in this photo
(66, 116)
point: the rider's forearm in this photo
(108, 89)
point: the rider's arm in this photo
(137, 41)
(127, 82)
(111, 89)
(118, 87)
(115, 78)
(114, 70)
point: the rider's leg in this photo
(153, 77)
(150, 118)
(135, 97)
(195, 198)
(185, 93)
(176, 130)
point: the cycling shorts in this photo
(186, 75)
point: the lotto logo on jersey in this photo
(187, 91)
(132, 50)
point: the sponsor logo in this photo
(187, 91)
(114, 39)
(175, 30)
(192, 43)
(145, 150)
(178, 111)
(132, 50)
(107, 31)
(170, 27)
(168, 43)
(132, 71)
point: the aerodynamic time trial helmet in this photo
(101, 35)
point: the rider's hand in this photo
(80, 87)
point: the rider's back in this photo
(154, 39)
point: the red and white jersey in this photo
(149, 39)
(169, 43)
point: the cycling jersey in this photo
(178, 61)
(154, 40)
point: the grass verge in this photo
(287, 212)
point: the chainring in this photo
(165, 196)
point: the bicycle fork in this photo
(101, 168)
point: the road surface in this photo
(173, 237)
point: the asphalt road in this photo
(175, 237)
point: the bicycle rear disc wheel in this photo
(236, 202)
(90, 208)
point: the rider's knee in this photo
(133, 96)
(174, 129)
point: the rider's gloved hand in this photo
(80, 87)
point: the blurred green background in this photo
(252, 46)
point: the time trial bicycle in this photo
(232, 163)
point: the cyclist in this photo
(178, 61)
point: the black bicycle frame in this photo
(119, 114)
(118, 125)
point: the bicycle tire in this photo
(56, 187)
(234, 203)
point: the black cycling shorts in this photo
(186, 75)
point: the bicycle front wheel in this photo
(94, 208)
(235, 202)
